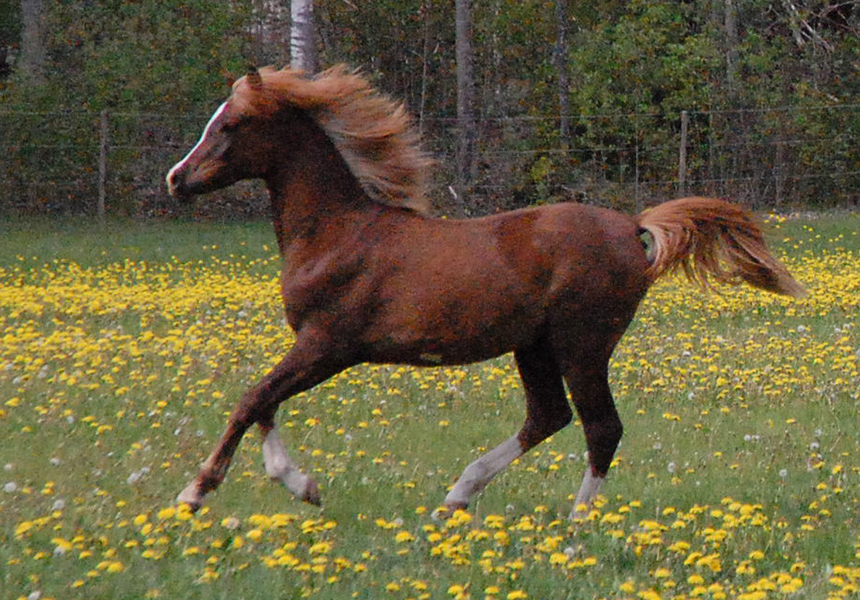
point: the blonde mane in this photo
(373, 133)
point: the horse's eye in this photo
(230, 126)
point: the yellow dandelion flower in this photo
(114, 567)
(404, 536)
(320, 548)
(167, 513)
(255, 535)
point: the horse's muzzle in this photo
(177, 187)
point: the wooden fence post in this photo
(778, 173)
(682, 155)
(637, 198)
(712, 153)
(103, 150)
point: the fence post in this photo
(712, 162)
(778, 173)
(103, 149)
(682, 155)
(636, 196)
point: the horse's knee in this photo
(251, 409)
(540, 426)
(266, 418)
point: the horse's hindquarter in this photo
(602, 276)
(459, 291)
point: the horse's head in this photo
(236, 144)
(281, 124)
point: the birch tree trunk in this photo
(302, 48)
(425, 69)
(731, 28)
(733, 132)
(33, 40)
(561, 70)
(466, 134)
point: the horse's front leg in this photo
(281, 467)
(308, 363)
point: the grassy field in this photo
(123, 349)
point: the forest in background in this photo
(573, 100)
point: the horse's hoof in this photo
(440, 514)
(579, 516)
(446, 511)
(312, 493)
(191, 497)
(193, 507)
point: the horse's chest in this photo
(321, 286)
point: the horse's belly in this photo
(467, 334)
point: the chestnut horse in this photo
(368, 276)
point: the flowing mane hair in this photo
(373, 133)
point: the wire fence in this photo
(776, 158)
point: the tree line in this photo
(558, 99)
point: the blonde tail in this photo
(711, 238)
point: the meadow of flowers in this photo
(121, 355)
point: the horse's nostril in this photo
(175, 180)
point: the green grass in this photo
(122, 348)
(88, 242)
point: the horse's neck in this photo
(315, 194)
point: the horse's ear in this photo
(254, 78)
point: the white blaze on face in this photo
(178, 166)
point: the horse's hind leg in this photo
(589, 386)
(305, 366)
(547, 411)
